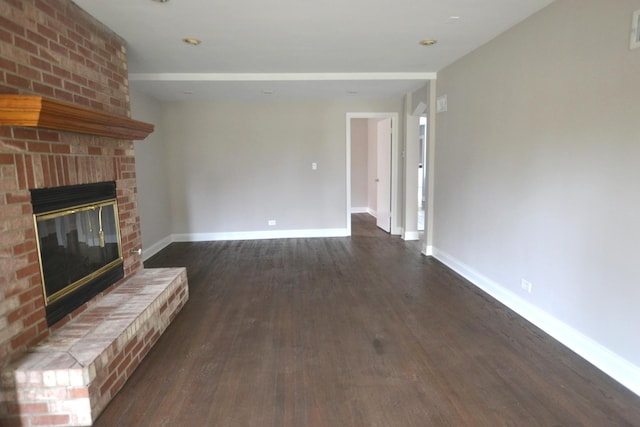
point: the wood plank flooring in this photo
(360, 331)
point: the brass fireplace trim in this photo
(48, 299)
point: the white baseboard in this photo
(601, 357)
(150, 251)
(428, 251)
(372, 212)
(360, 210)
(411, 235)
(260, 235)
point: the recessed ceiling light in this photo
(454, 17)
(161, 1)
(352, 92)
(192, 41)
(188, 92)
(428, 42)
(267, 92)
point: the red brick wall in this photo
(53, 48)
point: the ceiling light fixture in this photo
(192, 41)
(428, 42)
(267, 92)
(161, 1)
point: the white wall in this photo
(359, 164)
(152, 176)
(234, 166)
(538, 173)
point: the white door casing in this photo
(383, 180)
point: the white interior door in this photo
(383, 180)
(422, 174)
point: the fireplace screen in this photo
(77, 245)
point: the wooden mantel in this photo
(40, 112)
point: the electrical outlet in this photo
(526, 285)
(271, 222)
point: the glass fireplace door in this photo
(77, 245)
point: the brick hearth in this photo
(70, 377)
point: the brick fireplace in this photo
(54, 49)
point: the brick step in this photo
(70, 377)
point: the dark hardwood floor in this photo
(360, 331)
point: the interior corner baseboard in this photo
(595, 353)
(150, 251)
(372, 212)
(260, 235)
(360, 210)
(428, 251)
(411, 235)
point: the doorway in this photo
(382, 169)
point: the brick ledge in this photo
(69, 378)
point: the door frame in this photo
(395, 166)
(383, 171)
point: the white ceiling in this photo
(366, 46)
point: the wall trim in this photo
(153, 249)
(411, 235)
(369, 211)
(360, 210)
(270, 77)
(259, 235)
(618, 368)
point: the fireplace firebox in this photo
(79, 245)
